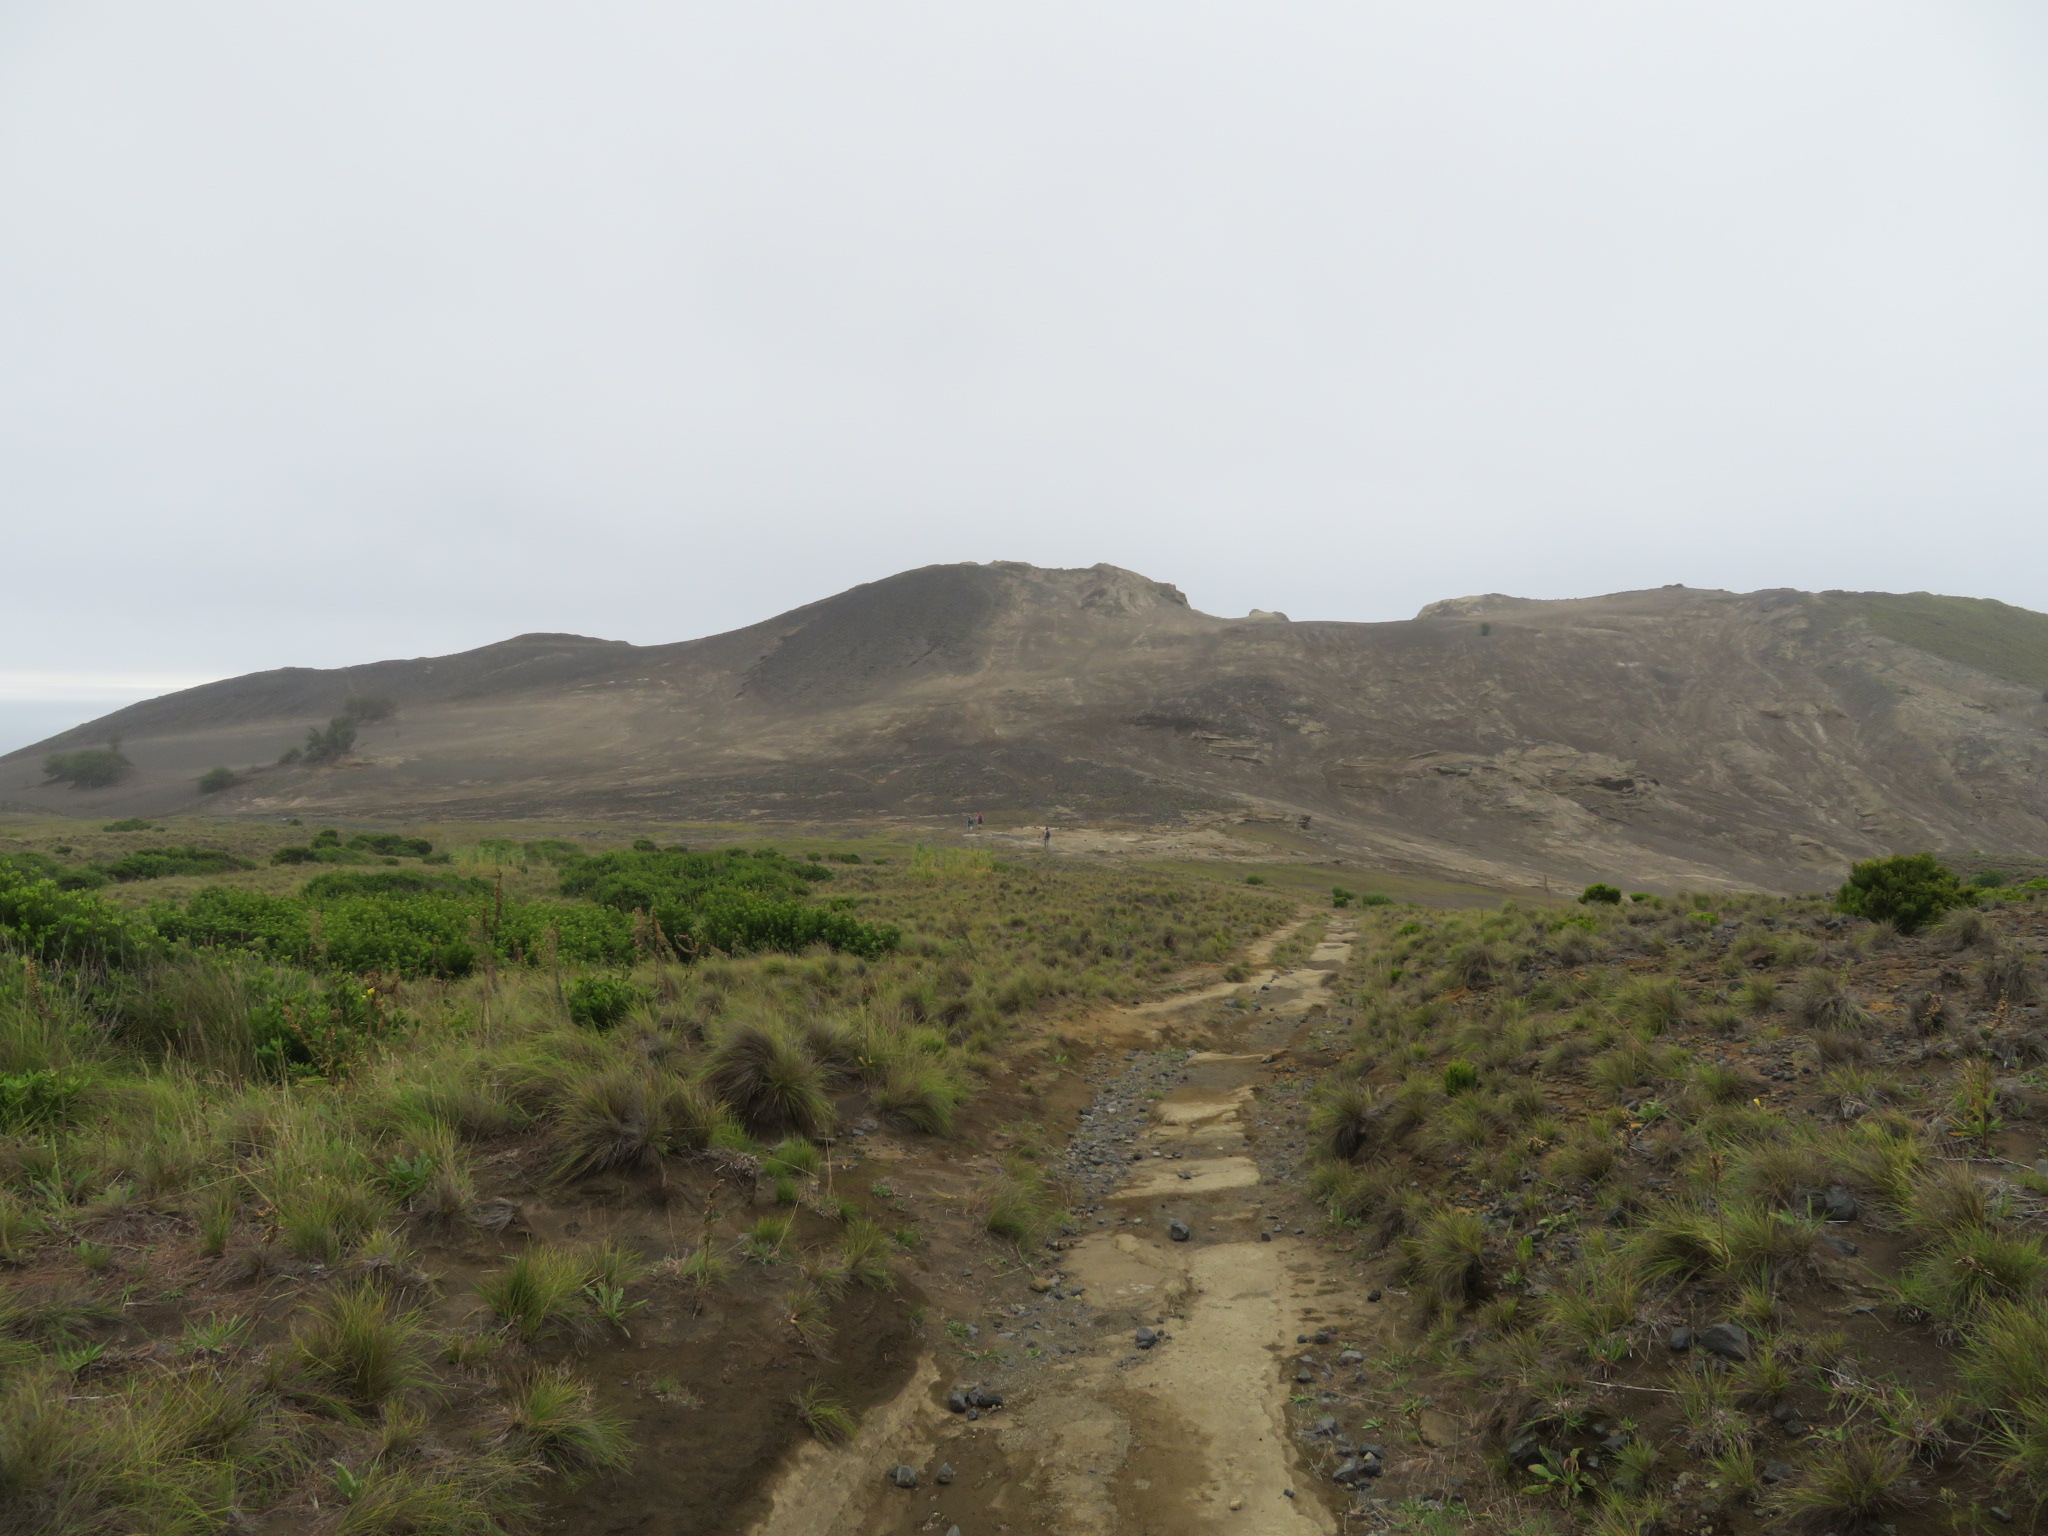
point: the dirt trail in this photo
(1108, 1438)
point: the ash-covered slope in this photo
(1660, 737)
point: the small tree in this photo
(1601, 894)
(214, 780)
(1908, 889)
(368, 708)
(332, 744)
(89, 768)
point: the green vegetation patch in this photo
(1979, 632)
(157, 863)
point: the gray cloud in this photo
(337, 332)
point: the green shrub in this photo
(390, 845)
(38, 1100)
(1254, 879)
(158, 863)
(432, 932)
(1601, 894)
(1339, 897)
(602, 1002)
(214, 780)
(368, 707)
(62, 927)
(1459, 1076)
(131, 824)
(332, 744)
(731, 900)
(1909, 890)
(88, 768)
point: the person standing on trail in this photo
(1048, 840)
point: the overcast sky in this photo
(337, 331)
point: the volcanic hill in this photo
(1662, 737)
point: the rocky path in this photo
(1159, 1362)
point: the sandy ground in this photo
(1187, 1436)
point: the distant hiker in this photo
(977, 818)
(1048, 840)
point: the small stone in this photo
(1147, 1337)
(1372, 1295)
(1323, 1337)
(981, 1397)
(1840, 1245)
(1041, 1285)
(956, 1401)
(1680, 1341)
(973, 1414)
(952, 1530)
(1351, 1357)
(1324, 1426)
(1301, 1338)
(1178, 1231)
(1838, 1204)
(1777, 1471)
(902, 1476)
(944, 1474)
(1304, 1375)
(1728, 1340)
(1265, 1237)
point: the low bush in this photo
(603, 1001)
(39, 1100)
(72, 928)
(159, 863)
(214, 780)
(88, 767)
(330, 744)
(1600, 894)
(368, 708)
(1908, 890)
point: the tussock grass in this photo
(771, 1081)
(1855, 1484)
(1446, 1257)
(1964, 1270)
(549, 1417)
(825, 1416)
(539, 1293)
(357, 1350)
(1020, 1204)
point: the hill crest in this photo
(1666, 736)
